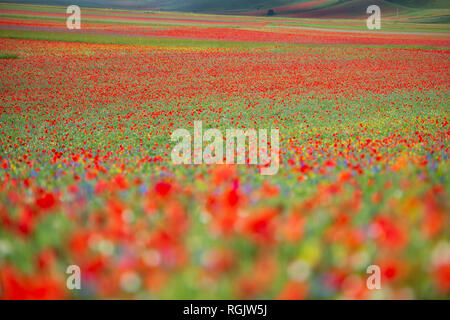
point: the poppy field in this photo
(86, 176)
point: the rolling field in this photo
(86, 176)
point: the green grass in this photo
(441, 4)
(8, 56)
(124, 40)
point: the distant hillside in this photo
(300, 8)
